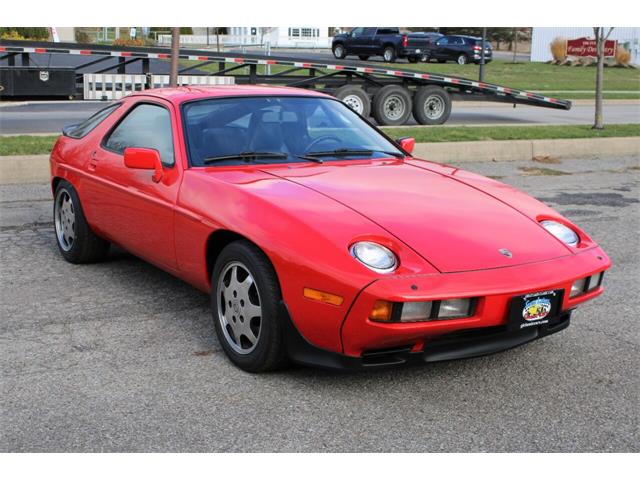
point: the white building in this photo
(541, 38)
(281, 37)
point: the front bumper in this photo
(454, 346)
(367, 343)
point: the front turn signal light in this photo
(381, 311)
(323, 297)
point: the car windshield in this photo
(286, 129)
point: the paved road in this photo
(120, 356)
(45, 117)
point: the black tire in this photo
(389, 54)
(339, 51)
(386, 105)
(431, 105)
(413, 59)
(78, 244)
(363, 57)
(269, 352)
(355, 98)
(462, 59)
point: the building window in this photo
(298, 32)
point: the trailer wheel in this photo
(355, 98)
(432, 105)
(392, 105)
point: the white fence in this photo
(113, 86)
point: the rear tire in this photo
(76, 241)
(363, 57)
(246, 313)
(431, 105)
(392, 105)
(462, 59)
(389, 54)
(339, 51)
(355, 98)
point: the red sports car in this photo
(320, 239)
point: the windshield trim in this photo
(185, 131)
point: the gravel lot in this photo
(121, 356)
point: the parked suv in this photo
(387, 42)
(461, 49)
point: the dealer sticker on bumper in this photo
(534, 309)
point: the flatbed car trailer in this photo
(390, 95)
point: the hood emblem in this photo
(506, 252)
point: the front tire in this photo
(245, 295)
(355, 98)
(339, 51)
(76, 241)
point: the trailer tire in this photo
(392, 105)
(355, 98)
(431, 105)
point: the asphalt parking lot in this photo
(121, 356)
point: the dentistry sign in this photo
(586, 47)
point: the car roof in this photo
(178, 95)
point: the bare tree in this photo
(175, 53)
(601, 39)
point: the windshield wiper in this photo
(246, 156)
(345, 152)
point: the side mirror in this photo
(407, 143)
(144, 159)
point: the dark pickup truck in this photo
(387, 42)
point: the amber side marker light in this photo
(381, 311)
(323, 297)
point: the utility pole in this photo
(175, 53)
(601, 40)
(484, 39)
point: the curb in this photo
(35, 168)
(523, 150)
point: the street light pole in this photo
(484, 39)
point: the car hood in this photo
(451, 224)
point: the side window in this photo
(356, 32)
(443, 41)
(369, 31)
(145, 126)
(92, 122)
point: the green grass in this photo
(27, 145)
(468, 134)
(527, 76)
(41, 145)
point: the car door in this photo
(132, 209)
(354, 42)
(367, 41)
(439, 49)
